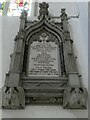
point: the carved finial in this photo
(43, 9)
(23, 20)
(23, 14)
(63, 10)
(63, 16)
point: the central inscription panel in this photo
(43, 60)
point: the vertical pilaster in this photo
(17, 55)
(70, 61)
(13, 93)
(75, 96)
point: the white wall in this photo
(1, 52)
(10, 26)
(0, 63)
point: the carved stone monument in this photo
(43, 68)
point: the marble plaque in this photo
(43, 60)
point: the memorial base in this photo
(44, 91)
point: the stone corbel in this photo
(75, 98)
(13, 98)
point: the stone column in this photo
(75, 96)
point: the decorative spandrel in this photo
(43, 58)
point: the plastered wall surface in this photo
(10, 27)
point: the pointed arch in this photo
(44, 23)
